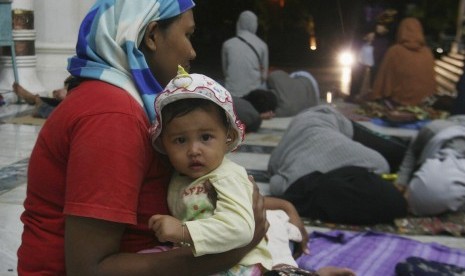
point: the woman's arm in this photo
(92, 247)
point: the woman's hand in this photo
(259, 211)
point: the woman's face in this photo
(171, 47)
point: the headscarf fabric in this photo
(410, 34)
(108, 40)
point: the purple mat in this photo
(372, 253)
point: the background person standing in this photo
(244, 57)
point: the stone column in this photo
(457, 45)
(24, 37)
(57, 24)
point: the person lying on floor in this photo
(285, 95)
(328, 176)
(295, 91)
(432, 174)
(43, 106)
(254, 107)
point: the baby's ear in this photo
(232, 136)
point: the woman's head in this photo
(410, 33)
(135, 45)
(166, 44)
(187, 93)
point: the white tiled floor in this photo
(17, 142)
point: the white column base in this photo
(26, 73)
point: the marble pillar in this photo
(57, 24)
(45, 34)
(24, 38)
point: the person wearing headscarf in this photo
(93, 177)
(406, 75)
(244, 57)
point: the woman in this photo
(406, 75)
(93, 178)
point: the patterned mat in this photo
(452, 224)
(25, 120)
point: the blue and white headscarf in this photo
(107, 45)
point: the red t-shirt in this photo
(92, 158)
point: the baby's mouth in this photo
(195, 165)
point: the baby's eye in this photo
(206, 137)
(180, 140)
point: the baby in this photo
(209, 196)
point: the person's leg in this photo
(42, 110)
(348, 195)
(24, 94)
(391, 148)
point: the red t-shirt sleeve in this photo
(108, 160)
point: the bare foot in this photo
(60, 94)
(24, 94)
(335, 271)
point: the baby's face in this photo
(195, 142)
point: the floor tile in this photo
(10, 237)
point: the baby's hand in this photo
(166, 228)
